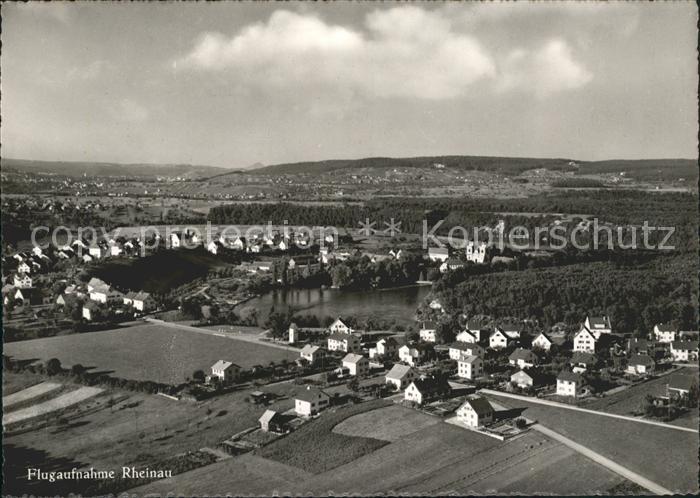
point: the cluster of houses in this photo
(102, 297)
(594, 336)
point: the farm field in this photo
(625, 442)
(628, 402)
(51, 405)
(15, 383)
(388, 424)
(146, 352)
(120, 428)
(316, 448)
(439, 459)
(29, 393)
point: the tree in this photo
(353, 384)
(198, 376)
(53, 366)
(77, 370)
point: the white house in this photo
(293, 333)
(144, 302)
(665, 332)
(174, 240)
(312, 354)
(585, 340)
(225, 371)
(512, 330)
(22, 281)
(385, 348)
(569, 383)
(459, 350)
(338, 326)
(424, 390)
(310, 401)
(427, 332)
(438, 254)
(213, 247)
(476, 253)
(467, 336)
(684, 350)
(542, 342)
(476, 412)
(412, 355)
(640, 364)
(89, 312)
(498, 339)
(24, 267)
(470, 367)
(598, 325)
(400, 376)
(105, 294)
(522, 358)
(525, 378)
(348, 343)
(582, 361)
(356, 364)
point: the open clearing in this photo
(388, 424)
(52, 405)
(673, 462)
(29, 393)
(147, 352)
(439, 459)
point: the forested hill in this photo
(505, 165)
(92, 169)
(660, 169)
(635, 296)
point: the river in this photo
(387, 304)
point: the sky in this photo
(232, 84)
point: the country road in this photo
(241, 337)
(555, 404)
(606, 462)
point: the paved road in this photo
(606, 462)
(554, 404)
(241, 337)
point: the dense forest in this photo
(678, 210)
(636, 296)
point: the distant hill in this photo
(646, 169)
(505, 165)
(70, 168)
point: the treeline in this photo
(636, 297)
(362, 273)
(620, 207)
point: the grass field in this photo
(147, 352)
(388, 424)
(316, 448)
(665, 456)
(629, 401)
(439, 459)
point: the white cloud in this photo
(405, 52)
(544, 71)
(401, 52)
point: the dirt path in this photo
(586, 410)
(606, 462)
(245, 338)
